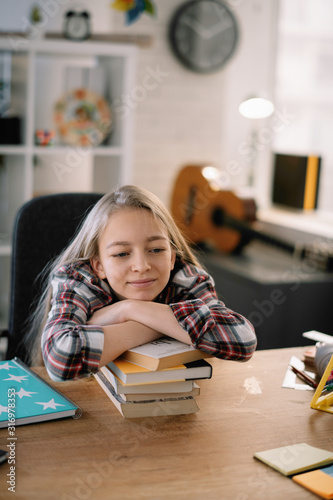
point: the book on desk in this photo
(26, 398)
(137, 391)
(162, 353)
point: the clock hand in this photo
(216, 29)
(195, 26)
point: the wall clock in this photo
(203, 35)
(77, 25)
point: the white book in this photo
(162, 353)
(148, 408)
(143, 397)
(151, 388)
(318, 336)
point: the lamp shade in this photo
(256, 107)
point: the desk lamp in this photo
(255, 108)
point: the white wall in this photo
(186, 118)
(305, 85)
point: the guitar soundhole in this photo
(189, 211)
(218, 217)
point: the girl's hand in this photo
(113, 314)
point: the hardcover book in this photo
(130, 373)
(26, 398)
(296, 181)
(150, 388)
(147, 408)
(163, 353)
(158, 395)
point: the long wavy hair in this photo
(84, 247)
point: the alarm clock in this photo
(203, 35)
(77, 25)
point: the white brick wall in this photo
(187, 118)
(192, 118)
(180, 121)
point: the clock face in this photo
(77, 26)
(203, 35)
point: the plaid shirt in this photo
(71, 348)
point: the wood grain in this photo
(206, 455)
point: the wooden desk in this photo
(208, 455)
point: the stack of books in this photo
(155, 379)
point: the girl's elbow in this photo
(249, 347)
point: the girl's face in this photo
(135, 255)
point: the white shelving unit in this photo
(41, 71)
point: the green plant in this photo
(36, 15)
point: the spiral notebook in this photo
(26, 398)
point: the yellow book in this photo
(129, 373)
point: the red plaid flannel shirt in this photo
(71, 348)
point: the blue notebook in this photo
(27, 398)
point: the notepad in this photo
(318, 481)
(295, 458)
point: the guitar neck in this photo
(222, 219)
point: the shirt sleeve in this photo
(213, 327)
(70, 348)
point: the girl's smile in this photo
(135, 255)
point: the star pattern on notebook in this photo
(3, 409)
(49, 404)
(26, 397)
(22, 392)
(6, 366)
(16, 378)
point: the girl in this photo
(127, 278)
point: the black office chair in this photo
(42, 229)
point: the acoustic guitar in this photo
(205, 213)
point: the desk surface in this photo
(264, 264)
(205, 455)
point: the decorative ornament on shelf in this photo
(77, 24)
(44, 137)
(37, 23)
(134, 8)
(83, 118)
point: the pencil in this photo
(304, 377)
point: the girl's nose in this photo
(140, 263)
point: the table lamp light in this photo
(255, 108)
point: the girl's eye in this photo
(120, 254)
(157, 250)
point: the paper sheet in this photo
(291, 381)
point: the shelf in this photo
(19, 43)
(63, 150)
(314, 223)
(36, 74)
(13, 150)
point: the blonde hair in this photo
(84, 247)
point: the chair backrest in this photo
(42, 229)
